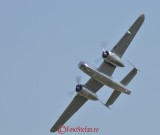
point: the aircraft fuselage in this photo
(102, 78)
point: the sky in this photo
(41, 44)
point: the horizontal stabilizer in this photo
(113, 97)
(125, 81)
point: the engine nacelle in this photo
(112, 59)
(83, 91)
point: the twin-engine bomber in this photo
(103, 76)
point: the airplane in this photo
(103, 76)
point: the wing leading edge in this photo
(124, 42)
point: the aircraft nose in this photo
(82, 65)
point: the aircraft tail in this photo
(125, 81)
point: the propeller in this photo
(103, 45)
(78, 86)
(78, 79)
(133, 65)
(104, 52)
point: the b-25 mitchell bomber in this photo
(103, 76)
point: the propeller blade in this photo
(133, 65)
(78, 79)
(103, 44)
(71, 93)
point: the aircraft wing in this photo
(73, 107)
(119, 49)
(78, 100)
(124, 42)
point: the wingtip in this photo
(142, 16)
(52, 130)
